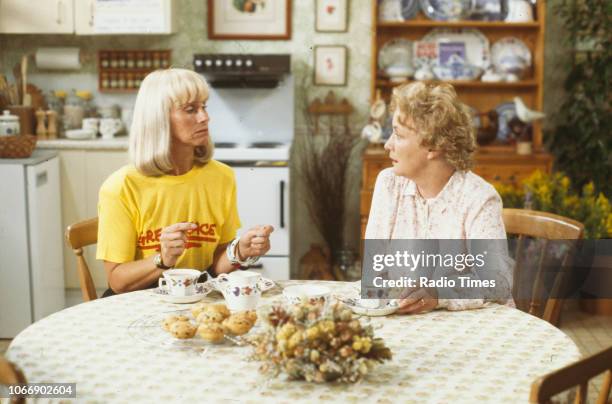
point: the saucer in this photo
(202, 289)
(264, 284)
(355, 305)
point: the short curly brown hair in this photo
(443, 122)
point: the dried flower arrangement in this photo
(306, 343)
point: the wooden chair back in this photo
(80, 235)
(10, 374)
(541, 225)
(576, 374)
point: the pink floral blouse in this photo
(468, 207)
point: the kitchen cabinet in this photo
(82, 172)
(37, 16)
(87, 17)
(125, 17)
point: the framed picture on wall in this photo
(330, 65)
(249, 19)
(331, 15)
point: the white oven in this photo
(251, 107)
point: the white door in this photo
(46, 241)
(37, 16)
(15, 302)
(84, 11)
(263, 198)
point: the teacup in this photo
(312, 294)
(240, 289)
(180, 282)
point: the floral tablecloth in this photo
(491, 354)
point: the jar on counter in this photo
(9, 124)
(86, 100)
(74, 112)
(56, 100)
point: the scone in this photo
(211, 332)
(210, 317)
(183, 330)
(197, 308)
(218, 308)
(168, 321)
(238, 324)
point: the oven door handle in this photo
(282, 204)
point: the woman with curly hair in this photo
(430, 192)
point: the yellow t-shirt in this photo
(133, 209)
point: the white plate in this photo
(446, 10)
(476, 43)
(396, 53)
(202, 289)
(510, 55)
(397, 10)
(357, 308)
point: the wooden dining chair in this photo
(10, 374)
(576, 374)
(530, 224)
(80, 235)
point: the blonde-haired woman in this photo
(173, 206)
(430, 193)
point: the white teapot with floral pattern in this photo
(241, 289)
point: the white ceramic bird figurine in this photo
(525, 114)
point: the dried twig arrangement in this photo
(323, 166)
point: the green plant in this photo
(554, 193)
(582, 141)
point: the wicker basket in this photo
(17, 147)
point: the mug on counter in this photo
(91, 123)
(109, 127)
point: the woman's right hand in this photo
(173, 240)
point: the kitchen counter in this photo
(119, 143)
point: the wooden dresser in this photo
(507, 168)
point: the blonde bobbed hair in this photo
(150, 137)
(442, 121)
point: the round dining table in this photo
(491, 354)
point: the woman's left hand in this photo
(418, 301)
(255, 242)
